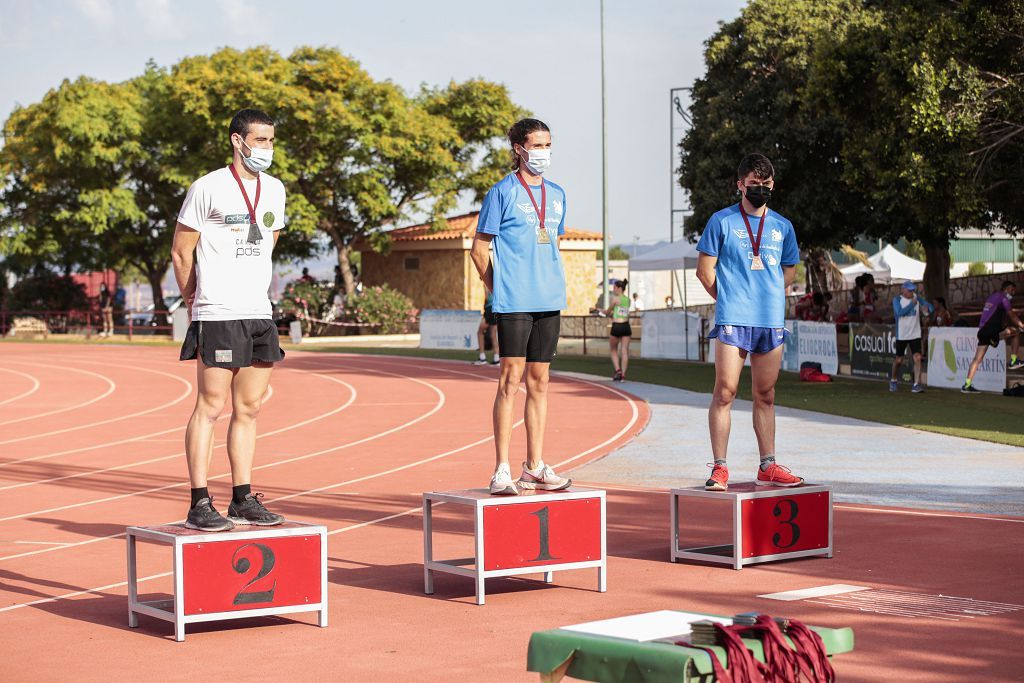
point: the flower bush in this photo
(310, 302)
(386, 309)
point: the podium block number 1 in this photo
(538, 534)
(785, 524)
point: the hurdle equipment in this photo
(534, 532)
(646, 647)
(767, 524)
(248, 572)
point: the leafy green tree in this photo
(617, 253)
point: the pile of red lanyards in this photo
(806, 660)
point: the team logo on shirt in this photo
(772, 261)
(777, 235)
(740, 233)
(236, 218)
(556, 204)
(268, 219)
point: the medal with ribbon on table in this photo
(254, 229)
(542, 231)
(755, 242)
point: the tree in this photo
(617, 253)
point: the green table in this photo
(559, 652)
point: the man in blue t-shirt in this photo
(522, 218)
(748, 258)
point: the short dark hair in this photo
(758, 164)
(1008, 283)
(521, 130)
(241, 121)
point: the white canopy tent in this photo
(888, 265)
(675, 256)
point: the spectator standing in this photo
(106, 310)
(907, 309)
(942, 316)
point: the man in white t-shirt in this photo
(231, 219)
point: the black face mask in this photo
(758, 195)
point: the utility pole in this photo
(604, 175)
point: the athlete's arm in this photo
(481, 255)
(706, 273)
(182, 256)
(788, 274)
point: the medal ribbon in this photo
(543, 199)
(254, 230)
(754, 243)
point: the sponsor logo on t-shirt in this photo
(557, 206)
(268, 219)
(771, 260)
(234, 218)
(777, 235)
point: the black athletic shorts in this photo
(232, 343)
(621, 330)
(990, 335)
(902, 344)
(533, 335)
(489, 316)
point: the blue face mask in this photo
(259, 159)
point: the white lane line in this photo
(816, 592)
(34, 389)
(439, 404)
(111, 387)
(923, 513)
(629, 425)
(185, 394)
(37, 542)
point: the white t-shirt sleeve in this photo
(196, 208)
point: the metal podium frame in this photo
(173, 610)
(473, 567)
(736, 559)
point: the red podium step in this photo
(768, 523)
(248, 572)
(534, 532)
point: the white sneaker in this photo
(502, 484)
(542, 479)
(480, 361)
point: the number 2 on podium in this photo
(242, 565)
(545, 550)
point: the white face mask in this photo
(539, 160)
(259, 159)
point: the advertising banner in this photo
(444, 329)
(665, 335)
(811, 342)
(791, 353)
(950, 352)
(872, 351)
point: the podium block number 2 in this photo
(785, 524)
(538, 534)
(230, 576)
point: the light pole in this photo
(604, 175)
(675, 108)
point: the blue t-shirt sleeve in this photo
(790, 250)
(490, 213)
(561, 223)
(711, 239)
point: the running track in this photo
(91, 441)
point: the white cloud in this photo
(99, 12)
(235, 11)
(159, 19)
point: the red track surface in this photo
(91, 441)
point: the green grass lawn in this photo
(989, 417)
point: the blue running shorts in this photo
(750, 339)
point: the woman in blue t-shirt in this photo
(521, 218)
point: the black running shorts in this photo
(902, 344)
(490, 317)
(621, 330)
(990, 335)
(232, 343)
(530, 335)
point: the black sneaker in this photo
(204, 517)
(969, 389)
(618, 376)
(251, 511)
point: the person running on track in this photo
(522, 217)
(998, 322)
(231, 219)
(748, 257)
(621, 332)
(488, 327)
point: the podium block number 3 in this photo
(242, 565)
(785, 524)
(538, 534)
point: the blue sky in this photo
(548, 54)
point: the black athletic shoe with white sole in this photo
(252, 511)
(204, 517)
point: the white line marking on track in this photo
(34, 389)
(181, 397)
(816, 592)
(111, 387)
(39, 542)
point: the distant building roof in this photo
(464, 227)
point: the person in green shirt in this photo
(618, 341)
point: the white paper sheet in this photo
(644, 627)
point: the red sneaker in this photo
(719, 480)
(777, 475)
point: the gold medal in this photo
(542, 236)
(756, 263)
